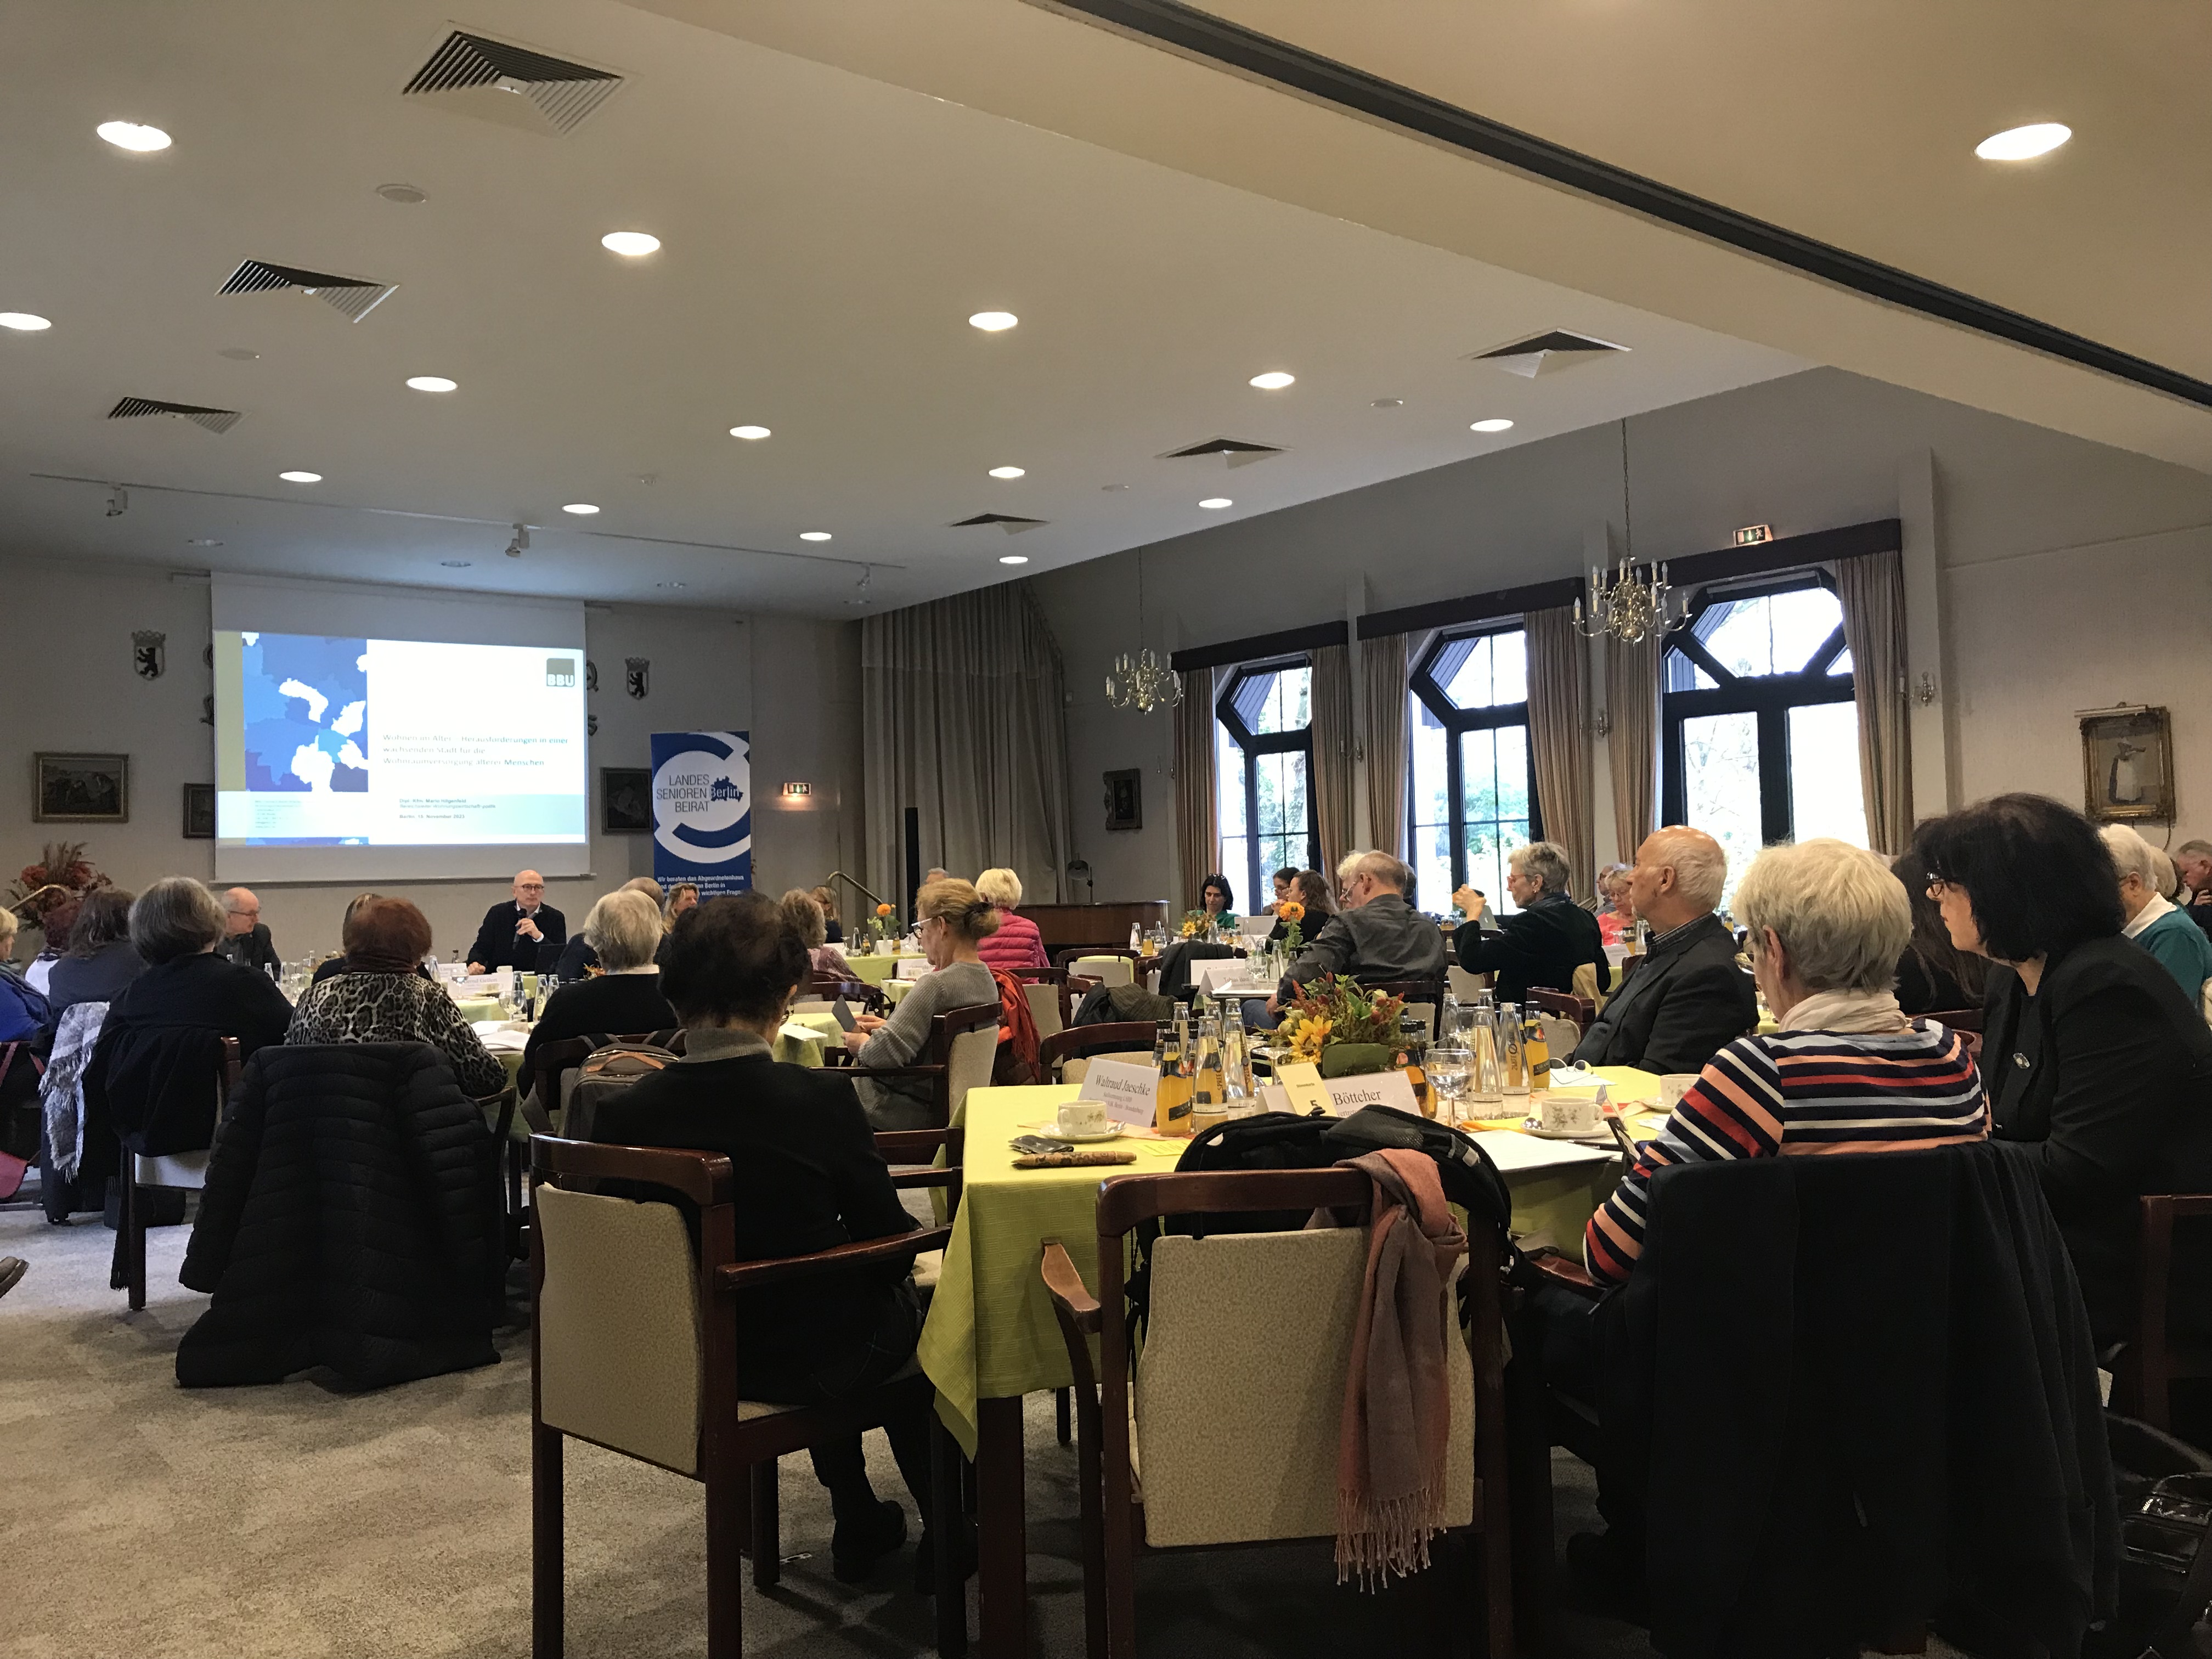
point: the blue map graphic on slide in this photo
(305, 699)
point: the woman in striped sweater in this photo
(1847, 1072)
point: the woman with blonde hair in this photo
(953, 918)
(1017, 944)
(833, 929)
(681, 897)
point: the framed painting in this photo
(81, 788)
(1125, 799)
(199, 811)
(2127, 765)
(625, 800)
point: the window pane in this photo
(1470, 688)
(1802, 621)
(1235, 859)
(1478, 776)
(1268, 769)
(1511, 684)
(1484, 671)
(1228, 781)
(1296, 821)
(1431, 862)
(1494, 816)
(1824, 773)
(1739, 635)
(1720, 784)
(1683, 674)
(1843, 663)
(1513, 774)
(1286, 705)
(1432, 782)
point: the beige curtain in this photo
(1632, 694)
(1197, 818)
(1382, 677)
(1331, 751)
(1872, 589)
(1558, 738)
(962, 717)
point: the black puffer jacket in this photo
(351, 1220)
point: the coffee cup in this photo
(1673, 1086)
(1571, 1112)
(1083, 1118)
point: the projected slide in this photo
(336, 741)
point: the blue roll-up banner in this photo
(702, 811)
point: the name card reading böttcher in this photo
(1127, 1090)
(1351, 1094)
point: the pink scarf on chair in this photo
(1397, 1396)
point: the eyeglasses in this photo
(1938, 887)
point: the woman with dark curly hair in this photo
(2096, 1064)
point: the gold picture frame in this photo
(2127, 766)
(71, 788)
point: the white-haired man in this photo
(1545, 942)
(246, 939)
(2154, 921)
(1377, 938)
(2192, 859)
(1688, 997)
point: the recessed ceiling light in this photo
(630, 244)
(23, 322)
(2021, 143)
(1215, 503)
(749, 433)
(405, 195)
(202, 541)
(1274, 380)
(814, 535)
(1491, 426)
(129, 135)
(1013, 558)
(1388, 403)
(1113, 487)
(456, 564)
(239, 355)
(300, 477)
(668, 584)
(581, 509)
(432, 383)
(1006, 472)
(991, 322)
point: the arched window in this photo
(1761, 736)
(1263, 749)
(1474, 790)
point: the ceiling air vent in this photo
(1011, 523)
(1545, 354)
(497, 80)
(356, 296)
(215, 420)
(1236, 452)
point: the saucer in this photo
(1600, 1136)
(1112, 1132)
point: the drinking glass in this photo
(1447, 1075)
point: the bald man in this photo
(1687, 998)
(246, 939)
(513, 930)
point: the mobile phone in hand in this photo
(844, 1015)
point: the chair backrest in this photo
(1068, 1054)
(1117, 970)
(1564, 1005)
(971, 1040)
(1424, 997)
(1045, 1009)
(1586, 985)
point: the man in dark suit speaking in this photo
(514, 929)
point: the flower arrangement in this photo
(1197, 924)
(1291, 913)
(62, 874)
(1332, 1023)
(883, 922)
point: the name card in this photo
(799, 1033)
(1302, 1082)
(1128, 1090)
(500, 981)
(1351, 1094)
(911, 968)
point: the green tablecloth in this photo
(876, 970)
(809, 1053)
(473, 1009)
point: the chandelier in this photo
(1632, 608)
(1143, 682)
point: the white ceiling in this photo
(826, 236)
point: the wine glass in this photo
(1448, 1069)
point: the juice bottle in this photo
(1172, 1108)
(1537, 1048)
(1413, 1044)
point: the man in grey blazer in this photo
(1687, 998)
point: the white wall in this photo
(2067, 575)
(794, 685)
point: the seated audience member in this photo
(809, 1178)
(381, 998)
(1016, 944)
(333, 966)
(246, 939)
(2098, 1066)
(101, 960)
(683, 898)
(1312, 890)
(56, 923)
(1933, 976)
(1543, 944)
(807, 920)
(1217, 898)
(1376, 938)
(933, 873)
(513, 928)
(833, 929)
(24, 1011)
(2154, 921)
(1282, 881)
(624, 1000)
(954, 917)
(578, 957)
(1686, 997)
(2193, 861)
(1616, 915)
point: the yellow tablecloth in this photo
(809, 1053)
(473, 1009)
(1552, 1206)
(876, 970)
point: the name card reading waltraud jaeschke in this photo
(1127, 1090)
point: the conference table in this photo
(990, 1338)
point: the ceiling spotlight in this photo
(456, 564)
(129, 135)
(1491, 426)
(432, 383)
(519, 544)
(405, 195)
(1274, 380)
(668, 584)
(1215, 503)
(1388, 403)
(1013, 558)
(202, 541)
(2023, 143)
(814, 535)
(118, 500)
(1006, 472)
(581, 509)
(630, 244)
(239, 355)
(861, 594)
(300, 477)
(992, 322)
(750, 434)
(1110, 488)
(22, 322)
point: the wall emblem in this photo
(637, 676)
(150, 653)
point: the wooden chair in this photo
(1067, 1056)
(1047, 989)
(187, 1170)
(1565, 1007)
(634, 1347)
(1425, 997)
(1260, 1325)
(2149, 1363)
(856, 992)
(1108, 967)
(963, 1043)
(543, 1112)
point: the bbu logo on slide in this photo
(560, 670)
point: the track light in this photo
(118, 500)
(519, 542)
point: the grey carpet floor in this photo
(142, 1521)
